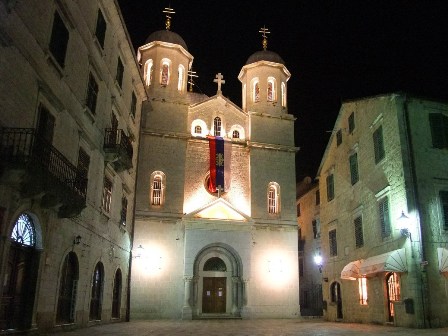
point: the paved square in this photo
(246, 328)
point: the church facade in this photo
(215, 223)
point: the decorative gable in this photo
(219, 209)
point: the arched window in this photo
(67, 290)
(271, 89)
(97, 293)
(116, 295)
(199, 128)
(23, 231)
(235, 134)
(181, 78)
(165, 72)
(244, 97)
(255, 90)
(283, 95)
(217, 126)
(273, 198)
(157, 191)
(147, 72)
(215, 264)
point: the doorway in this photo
(214, 295)
(393, 294)
(336, 298)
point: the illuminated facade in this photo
(70, 101)
(233, 252)
(384, 213)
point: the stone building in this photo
(70, 100)
(208, 244)
(384, 212)
(310, 271)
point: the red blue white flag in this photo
(220, 156)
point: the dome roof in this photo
(265, 55)
(167, 36)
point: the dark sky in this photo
(335, 50)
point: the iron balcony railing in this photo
(116, 141)
(22, 146)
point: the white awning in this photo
(351, 270)
(394, 261)
(442, 256)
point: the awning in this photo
(394, 261)
(442, 256)
(351, 270)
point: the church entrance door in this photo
(214, 295)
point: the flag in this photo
(220, 156)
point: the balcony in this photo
(118, 149)
(38, 169)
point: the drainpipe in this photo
(414, 188)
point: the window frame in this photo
(92, 93)
(332, 243)
(351, 123)
(378, 144)
(59, 38)
(330, 187)
(443, 196)
(438, 123)
(217, 126)
(338, 137)
(100, 28)
(384, 217)
(358, 230)
(273, 198)
(157, 189)
(106, 200)
(354, 169)
(120, 72)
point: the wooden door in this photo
(214, 295)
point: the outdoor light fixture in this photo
(77, 240)
(403, 223)
(318, 261)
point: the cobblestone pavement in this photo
(246, 327)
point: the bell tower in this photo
(264, 79)
(165, 61)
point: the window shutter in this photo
(354, 168)
(359, 237)
(444, 200)
(378, 144)
(384, 217)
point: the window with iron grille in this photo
(157, 190)
(236, 134)
(333, 243)
(120, 72)
(378, 144)
(133, 105)
(354, 176)
(59, 39)
(330, 187)
(444, 201)
(272, 200)
(383, 207)
(107, 195)
(316, 228)
(351, 123)
(317, 197)
(338, 137)
(124, 210)
(217, 126)
(100, 31)
(439, 130)
(359, 236)
(92, 93)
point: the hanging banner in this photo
(220, 156)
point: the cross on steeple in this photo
(264, 31)
(168, 11)
(219, 79)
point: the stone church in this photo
(215, 221)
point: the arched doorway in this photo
(217, 282)
(67, 290)
(116, 295)
(96, 297)
(393, 294)
(336, 298)
(19, 284)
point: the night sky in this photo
(335, 50)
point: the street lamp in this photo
(403, 225)
(318, 261)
